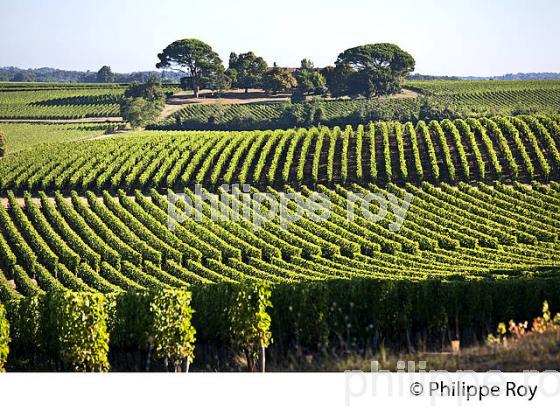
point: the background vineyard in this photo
(453, 99)
(436, 99)
(61, 100)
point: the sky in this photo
(458, 37)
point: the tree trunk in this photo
(409, 342)
(149, 358)
(263, 359)
(196, 91)
(249, 358)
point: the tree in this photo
(278, 79)
(248, 70)
(194, 58)
(3, 144)
(24, 76)
(374, 69)
(217, 80)
(150, 90)
(297, 96)
(140, 112)
(309, 79)
(142, 103)
(307, 64)
(335, 78)
(105, 75)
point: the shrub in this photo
(297, 96)
(243, 121)
(289, 116)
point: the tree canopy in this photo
(372, 69)
(196, 59)
(278, 79)
(309, 79)
(105, 75)
(140, 112)
(150, 90)
(246, 70)
(143, 102)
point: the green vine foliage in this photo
(250, 321)
(26, 320)
(155, 322)
(4, 338)
(173, 335)
(81, 321)
(131, 322)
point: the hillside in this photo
(346, 235)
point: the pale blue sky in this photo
(477, 37)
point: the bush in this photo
(243, 121)
(151, 90)
(297, 96)
(4, 338)
(313, 113)
(289, 116)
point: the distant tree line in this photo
(54, 75)
(369, 70)
(424, 77)
(47, 74)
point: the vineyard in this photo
(449, 87)
(454, 99)
(491, 96)
(60, 103)
(445, 99)
(520, 148)
(468, 237)
(428, 224)
(25, 135)
(279, 115)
